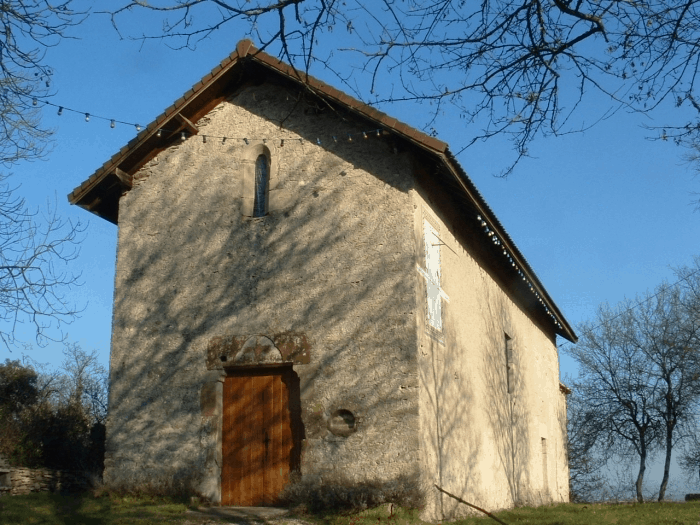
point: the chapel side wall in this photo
(332, 263)
(478, 442)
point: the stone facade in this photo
(332, 262)
(421, 351)
(494, 439)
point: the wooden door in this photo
(258, 439)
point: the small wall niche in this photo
(342, 423)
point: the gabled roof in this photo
(100, 193)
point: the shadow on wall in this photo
(323, 267)
(451, 439)
(506, 396)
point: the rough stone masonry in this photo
(393, 318)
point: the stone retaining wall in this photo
(26, 480)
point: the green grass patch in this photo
(49, 509)
(563, 514)
(44, 508)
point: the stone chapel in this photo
(307, 287)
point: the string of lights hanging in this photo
(350, 137)
(494, 238)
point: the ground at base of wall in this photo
(246, 515)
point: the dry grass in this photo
(82, 509)
(49, 509)
(563, 514)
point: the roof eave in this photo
(562, 326)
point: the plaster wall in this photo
(332, 262)
(480, 442)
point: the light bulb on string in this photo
(318, 141)
(138, 127)
(335, 139)
(34, 102)
(246, 141)
(159, 133)
(364, 135)
(223, 140)
(379, 133)
(349, 137)
(87, 117)
(204, 139)
(182, 136)
(112, 124)
(60, 111)
(281, 143)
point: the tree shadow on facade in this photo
(336, 265)
(506, 395)
(449, 436)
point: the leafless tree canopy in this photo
(514, 68)
(27, 29)
(639, 378)
(34, 248)
(586, 456)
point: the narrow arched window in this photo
(261, 181)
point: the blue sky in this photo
(600, 215)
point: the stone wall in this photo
(330, 267)
(26, 480)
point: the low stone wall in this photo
(26, 480)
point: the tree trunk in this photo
(642, 468)
(667, 463)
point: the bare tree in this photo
(35, 251)
(586, 459)
(618, 388)
(84, 382)
(640, 371)
(35, 248)
(689, 460)
(668, 334)
(520, 69)
(27, 29)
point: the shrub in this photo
(338, 492)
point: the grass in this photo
(50, 509)
(563, 514)
(43, 508)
